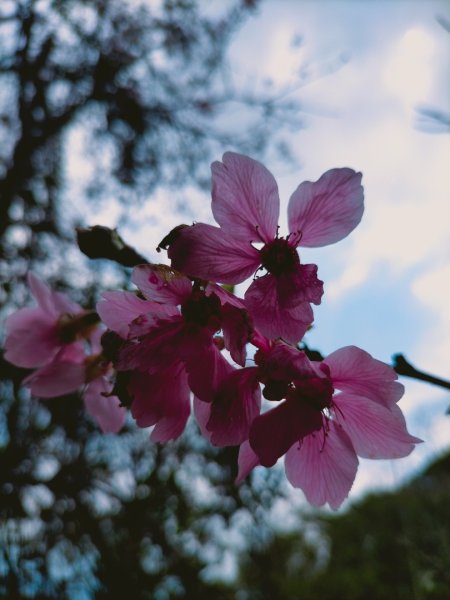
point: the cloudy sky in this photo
(361, 69)
(371, 64)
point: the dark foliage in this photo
(146, 84)
(389, 546)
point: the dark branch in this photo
(102, 242)
(403, 367)
(399, 364)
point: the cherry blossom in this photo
(328, 414)
(63, 341)
(245, 204)
(170, 344)
(182, 336)
(35, 335)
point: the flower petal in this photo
(51, 302)
(301, 285)
(245, 199)
(323, 469)
(208, 252)
(105, 409)
(64, 375)
(206, 366)
(270, 317)
(118, 309)
(31, 338)
(353, 370)
(327, 210)
(202, 412)
(274, 432)
(160, 283)
(375, 431)
(283, 362)
(224, 295)
(237, 331)
(157, 349)
(247, 461)
(162, 400)
(234, 407)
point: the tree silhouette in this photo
(82, 514)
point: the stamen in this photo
(259, 235)
(325, 429)
(337, 412)
(296, 237)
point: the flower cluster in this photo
(183, 333)
(61, 341)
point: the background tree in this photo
(147, 89)
(395, 544)
(83, 514)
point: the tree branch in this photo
(399, 364)
(403, 367)
(102, 242)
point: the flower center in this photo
(279, 257)
(316, 391)
(73, 327)
(202, 310)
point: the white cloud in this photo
(408, 73)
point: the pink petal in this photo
(302, 285)
(206, 366)
(65, 375)
(162, 400)
(375, 431)
(156, 350)
(245, 199)
(323, 469)
(327, 210)
(286, 363)
(31, 338)
(224, 295)
(202, 413)
(274, 432)
(247, 461)
(161, 284)
(53, 303)
(353, 370)
(235, 406)
(237, 331)
(118, 309)
(105, 409)
(270, 318)
(209, 253)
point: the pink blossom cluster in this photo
(184, 335)
(61, 342)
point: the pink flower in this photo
(65, 374)
(34, 336)
(63, 341)
(161, 399)
(103, 406)
(245, 204)
(183, 329)
(235, 403)
(321, 431)
(171, 346)
(73, 369)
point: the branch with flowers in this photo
(184, 333)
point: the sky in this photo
(372, 64)
(361, 69)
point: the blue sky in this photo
(361, 69)
(387, 285)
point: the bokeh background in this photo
(110, 114)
